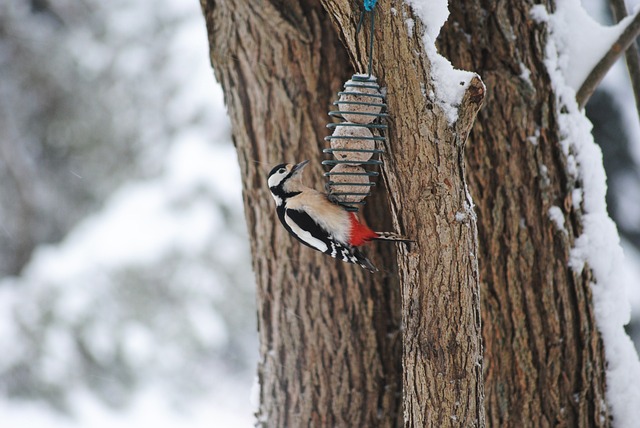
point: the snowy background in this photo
(126, 292)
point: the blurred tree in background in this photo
(64, 140)
(123, 254)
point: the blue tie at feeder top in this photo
(369, 5)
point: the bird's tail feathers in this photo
(391, 236)
(364, 262)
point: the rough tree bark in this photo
(544, 360)
(442, 353)
(330, 333)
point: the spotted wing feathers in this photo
(307, 231)
(350, 255)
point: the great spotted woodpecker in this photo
(319, 223)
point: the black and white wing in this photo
(311, 234)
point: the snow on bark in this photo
(575, 45)
(557, 216)
(449, 84)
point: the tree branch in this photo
(619, 10)
(471, 103)
(600, 70)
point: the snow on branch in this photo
(450, 85)
(626, 38)
(619, 10)
(586, 49)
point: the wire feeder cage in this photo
(355, 142)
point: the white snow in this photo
(467, 211)
(141, 224)
(449, 84)
(410, 24)
(254, 396)
(576, 198)
(148, 409)
(533, 139)
(557, 217)
(461, 217)
(525, 74)
(617, 83)
(141, 221)
(580, 41)
(433, 13)
(87, 288)
(599, 245)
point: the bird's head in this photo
(284, 180)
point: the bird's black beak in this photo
(299, 167)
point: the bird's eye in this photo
(282, 170)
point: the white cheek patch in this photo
(305, 236)
(274, 180)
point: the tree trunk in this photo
(330, 346)
(330, 342)
(544, 360)
(442, 357)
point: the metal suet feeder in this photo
(356, 142)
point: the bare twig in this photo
(619, 10)
(597, 74)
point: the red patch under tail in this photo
(360, 234)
